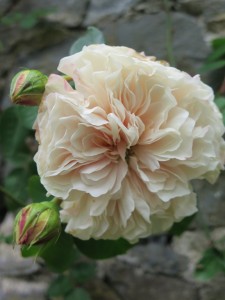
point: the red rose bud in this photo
(37, 224)
(27, 87)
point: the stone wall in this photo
(141, 24)
(157, 269)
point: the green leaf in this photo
(78, 294)
(36, 190)
(212, 263)
(102, 249)
(212, 66)
(10, 201)
(179, 228)
(217, 43)
(220, 102)
(27, 114)
(12, 134)
(92, 36)
(29, 251)
(61, 286)
(60, 255)
(16, 184)
(217, 53)
(83, 271)
(28, 21)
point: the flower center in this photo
(129, 152)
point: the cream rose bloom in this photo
(122, 148)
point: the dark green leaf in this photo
(27, 114)
(92, 36)
(83, 272)
(212, 66)
(12, 134)
(220, 102)
(212, 263)
(102, 249)
(28, 21)
(29, 251)
(78, 294)
(217, 53)
(16, 184)
(61, 286)
(36, 190)
(217, 43)
(11, 202)
(60, 255)
(179, 228)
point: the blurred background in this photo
(190, 34)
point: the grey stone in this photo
(7, 225)
(11, 261)
(99, 9)
(21, 289)
(191, 244)
(4, 5)
(217, 23)
(45, 60)
(132, 284)
(150, 7)
(211, 202)
(213, 290)
(148, 33)
(68, 12)
(100, 290)
(213, 8)
(156, 258)
(194, 7)
(48, 59)
(12, 264)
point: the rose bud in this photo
(37, 224)
(27, 87)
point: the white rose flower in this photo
(122, 148)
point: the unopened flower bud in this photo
(27, 87)
(37, 223)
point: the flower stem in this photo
(169, 34)
(57, 201)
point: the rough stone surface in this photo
(193, 7)
(191, 245)
(155, 269)
(213, 8)
(133, 284)
(101, 9)
(211, 202)
(217, 24)
(187, 55)
(68, 12)
(4, 5)
(99, 290)
(22, 289)
(150, 7)
(213, 290)
(156, 258)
